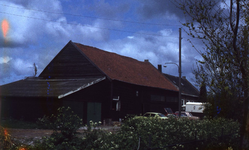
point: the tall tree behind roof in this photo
(223, 29)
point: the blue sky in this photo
(141, 29)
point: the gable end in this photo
(70, 63)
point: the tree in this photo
(203, 93)
(223, 29)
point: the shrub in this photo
(142, 133)
(94, 137)
(183, 133)
(64, 125)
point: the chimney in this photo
(146, 60)
(159, 67)
(184, 77)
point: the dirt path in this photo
(28, 135)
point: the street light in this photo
(179, 85)
(179, 70)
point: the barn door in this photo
(93, 112)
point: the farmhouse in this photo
(98, 85)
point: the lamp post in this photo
(179, 86)
(179, 70)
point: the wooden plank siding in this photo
(96, 93)
(28, 109)
(136, 100)
(70, 63)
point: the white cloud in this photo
(75, 32)
(22, 67)
(5, 59)
(37, 41)
(157, 49)
(15, 69)
(28, 26)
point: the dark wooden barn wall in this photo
(70, 63)
(155, 106)
(136, 100)
(26, 108)
(130, 102)
(98, 93)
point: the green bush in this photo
(94, 137)
(64, 125)
(141, 133)
(155, 133)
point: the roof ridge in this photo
(105, 51)
(126, 69)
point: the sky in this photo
(141, 29)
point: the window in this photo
(172, 99)
(157, 98)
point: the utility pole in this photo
(180, 72)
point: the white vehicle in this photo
(195, 107)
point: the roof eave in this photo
(144, 85)
(81, 87)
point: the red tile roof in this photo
(126, 69)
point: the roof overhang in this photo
(81, 87)
(50, 88)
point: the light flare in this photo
(5, 27)
(5, 132)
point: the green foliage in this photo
(144, 133)
(220, 105)
(95, 138)
(156, 133)
(223, 29)
(64, 125)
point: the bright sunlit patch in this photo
(5, 27)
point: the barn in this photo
(98, 85)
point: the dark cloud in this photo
(166, 9)
(21, 2)
(159, 8)
(10, 44)
(111, 9)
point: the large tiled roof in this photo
(35, 87)
(186, 87)
(126, 69)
